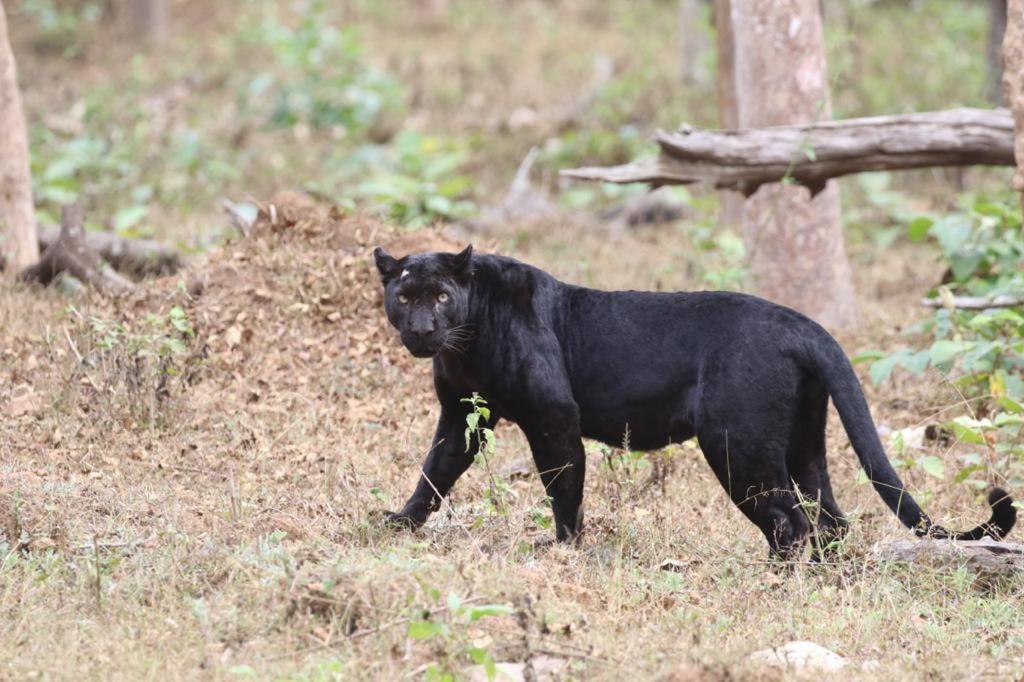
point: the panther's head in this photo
(426, 297)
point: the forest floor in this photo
(225, 520)
(192, 477)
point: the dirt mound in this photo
(297, 302)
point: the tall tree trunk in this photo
(1013, 83)
(994, 49)
(149, 21)
(794, 242)
(18, 245)
(730, 215)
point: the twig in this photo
(973, 302)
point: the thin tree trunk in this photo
(994, 49)
(149, 20)
(794, 241)
(18, 245)
(1013, 83)
(731, 214)
(694, 43)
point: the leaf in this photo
(952, 232)
(867, 355)
(915, 362)
(967, 433)
(881, 369)
(424, 629)
(944, 350)
(485, 610)
(454, 602)
(932, 465)
(1011, 405)
(918, 228)
(127, 218)
(966, 472)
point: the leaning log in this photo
(70, 253)
(811, 154)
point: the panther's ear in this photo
(386, 265)
(462, 263)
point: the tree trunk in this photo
(149, 20)
(694, 44)
(731, 214)
(1013, 83)
(18, 245)
(994, 49)
(794, 241)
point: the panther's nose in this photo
(423, 330)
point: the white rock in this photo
(800, 656)
(545, 668)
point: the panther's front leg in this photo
(448, 459)
(553, 431)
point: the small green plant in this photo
(138, 368)
(452, 637)
(499, 490)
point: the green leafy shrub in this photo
(980, 351)
(416, 179)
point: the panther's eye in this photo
(402, 298)
(442, 297)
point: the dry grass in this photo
(235, 529)
(222, 520)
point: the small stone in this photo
(800, 656)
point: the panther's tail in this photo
(842, 384)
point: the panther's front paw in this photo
(402, 521)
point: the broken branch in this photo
(810, 155)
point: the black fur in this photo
(750, 379)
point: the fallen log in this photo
(139, 257)
(71, 253)
(811, 154)
(982, 556)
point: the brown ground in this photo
(230, 517)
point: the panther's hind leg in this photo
(809, 469)
(744, 416)
(755, 476)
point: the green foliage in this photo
(980, 351)
(452, 637)
(499, 490)
(416, 179)
(138, 366)
(865, 38)
(318, 76)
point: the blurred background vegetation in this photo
(422, 118)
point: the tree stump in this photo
(70, 253)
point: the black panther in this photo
(749, 378)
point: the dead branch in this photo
(139, 257)
(810, 155)
(985, 556)
(71, 253)
(973, 302)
